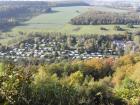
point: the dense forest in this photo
(93, 17)
(13, 15)
(90, 82)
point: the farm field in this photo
(95, 29)
(58, 21)
(54, 20)
(82, 29)
(61, 16)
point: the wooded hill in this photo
(93, 17)
(13, 13)
(67, 3)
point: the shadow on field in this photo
(53, 11)
(8, 28)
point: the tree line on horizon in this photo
(94, 17)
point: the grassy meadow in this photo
(52, 21)
(58, 21)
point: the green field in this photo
(58, 21)
(95, 29)
(54, 20)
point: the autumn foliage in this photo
(108, 81)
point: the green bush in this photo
(130, 91)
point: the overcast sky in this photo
(68, 0)
(39, 0)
